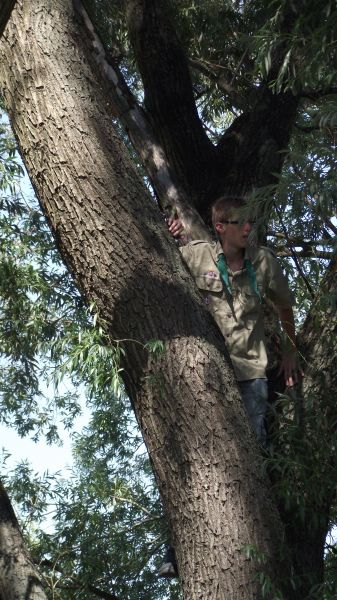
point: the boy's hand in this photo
(291, 369)
(175, 227)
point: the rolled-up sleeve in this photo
(277, 287)
(186, 252)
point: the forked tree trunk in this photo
(111, 236)
(19, 579)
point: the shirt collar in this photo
(249, 254)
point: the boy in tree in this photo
(233, 279)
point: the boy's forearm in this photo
(177, 230)
(288, 325)
(290, 364)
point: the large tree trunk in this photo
(111, 236)
(19, 579)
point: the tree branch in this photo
(316, 94)
(172, 199)
(330, 224)
(18, 575)
(287, 18)
(169, 100)
(327, 222)
(317, 343)
(294, 256)
(93, 590)
(256, 141)
(74, 585)
(296, 241)
(253, 146)
(291, 253)
(239, 100)
(307, 128)
(5, 13)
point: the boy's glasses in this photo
(241, 222)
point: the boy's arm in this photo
(175, 227)
(188, 229)
(177, 230)
(290, 364)
(283, 299)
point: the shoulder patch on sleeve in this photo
(269, 250)
(197, 242)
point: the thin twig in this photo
(296, 241)
(304, 253)
(293, 255)
(74, 585)
(315, 94)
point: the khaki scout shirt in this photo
(239, 315)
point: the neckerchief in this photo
(223, 270)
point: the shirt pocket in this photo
(211, 290)
(209, 283)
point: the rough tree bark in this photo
(19, 579)
(112, 238)
(172, 199)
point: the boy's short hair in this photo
(223, 207)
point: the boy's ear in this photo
(220, 227)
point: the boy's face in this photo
(234, 230)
